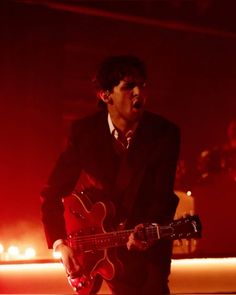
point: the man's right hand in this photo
(68, 259)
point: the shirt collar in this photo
(111, 126)
(114, 131)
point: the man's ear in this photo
(104, 95)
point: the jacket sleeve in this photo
(60, 184)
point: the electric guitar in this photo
(95, 246)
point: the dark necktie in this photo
(122, 141)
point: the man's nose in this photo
(136, 91)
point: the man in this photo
(126, 155)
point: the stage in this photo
(189, 276)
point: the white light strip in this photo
(31, 266)
(175, 262)
(204, 261)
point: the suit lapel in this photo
(103, 149)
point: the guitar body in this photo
(84, 219)
(95, 243)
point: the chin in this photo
(136, 115)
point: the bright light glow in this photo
(1, 249)
(175, 262)
(56, 254)
(13, 251)
(205, 261)
(189, 276)
(30, 266)
(30, 253)
(189, 193)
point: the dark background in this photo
(48, 54)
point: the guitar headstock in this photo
(187, 227)
(183, 228)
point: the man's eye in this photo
(129, 85)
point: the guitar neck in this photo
(99, 241)
(189, 227)
(117, 238)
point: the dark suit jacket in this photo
(145, 185)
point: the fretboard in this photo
(108, 240)
(189, 227)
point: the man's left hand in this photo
(134, 243)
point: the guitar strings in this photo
(107, 238)
(114, 234)
(100, 236)
(119, 237)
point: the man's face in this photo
(128, 99)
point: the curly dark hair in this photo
(114, 68)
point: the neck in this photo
(123, 125)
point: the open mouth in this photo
(137, 105)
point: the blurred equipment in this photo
(183, 184)
(220, 159)
(184, 247)
(216, 197)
